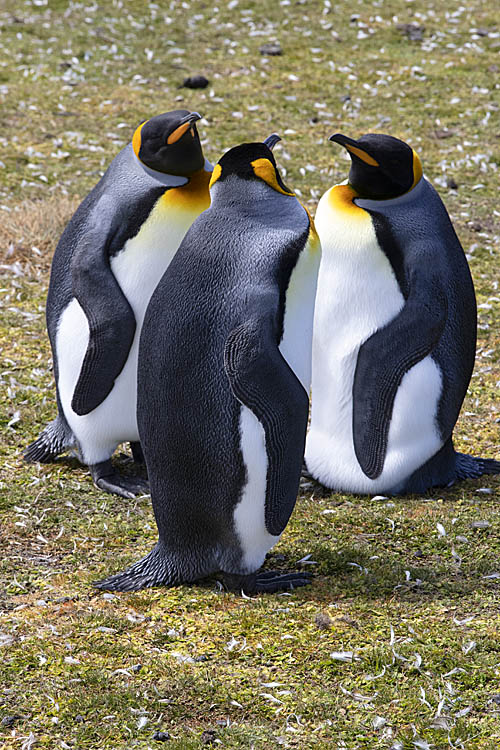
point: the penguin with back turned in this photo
(394, 330)
(108, 261)
(224, 372)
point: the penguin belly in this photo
(296, 341)
(249, 514)
(357, 294)
(138, 267)
(295, 346)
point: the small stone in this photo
(496, 699)
(201, 657)
(476, 226)
(323, 621)
(195, 82)
(136, 668)
(479, 524)
(79, 719)
(413, 31)
(345, 98)
(271, 48)
(161, 736)
(451, 183)
(208, 737)
(9, 721)
(443, 133)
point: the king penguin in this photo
(106, 265)
(394, 330)
(224, 375)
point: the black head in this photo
(170, 143)
(382, 167)
(251, 161)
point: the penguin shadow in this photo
(418, 569)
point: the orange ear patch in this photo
(264, 169)
(178, 133)
(417, 169)
(215, 175)
(136, 140)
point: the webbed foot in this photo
(108, 479)
(265, 581)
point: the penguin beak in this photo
(354, 149)
(184, 124)
(191, 117)
(272, 140)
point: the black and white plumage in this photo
(394, 332)
(108, 261)
(224, 371)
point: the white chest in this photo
(296, 342)
(141, 263)
(357, 295)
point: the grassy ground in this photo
(395, 644)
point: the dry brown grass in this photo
(29, 232)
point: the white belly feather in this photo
(295, 346)
(138, 268)
(357, 294)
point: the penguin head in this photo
(252, 162)
(382, 167)
(170, 143)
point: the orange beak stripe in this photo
(362, 155)
(178, 133)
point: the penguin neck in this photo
(237, 191)
(413, 194)
(172, 180)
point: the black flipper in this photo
(111, 319)
(384, 359)
(52, 441)
(262, 380)
(108, 479)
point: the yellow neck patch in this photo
(136, 140)
(265, 171)
(417, 169)
(362, 155)
(341, 198)
(313, 239)
(193, 197)
(215, 175)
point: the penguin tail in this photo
(52, 441)
(155, 569)
(471, 467)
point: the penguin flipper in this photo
(383, 360)
(110, 317)
(262, 380)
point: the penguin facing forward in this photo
(224, 371)
(108, 261)
(394, 330)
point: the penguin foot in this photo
(265, 582)
(106, 478)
